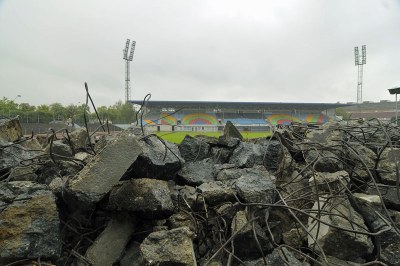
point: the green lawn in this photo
(177, 137)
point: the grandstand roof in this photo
(240, 105)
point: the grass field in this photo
(177, 137)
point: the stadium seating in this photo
(149, 122)
(252, 119)
(246, 121)
(315, 118)
(167, 119)
(285, 119)
(282, 119)
(199, 119)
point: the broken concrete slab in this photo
(105, 170)
(328, 133)
(389, 195)
(31, 144)
(338, 262)
(62, 168)
(229, 143)
(359, 155)
(230, 131)
(15, 155)
(342, 244)
(230, 173)
(323, 160)
(58, 148)
(79, 139)
(10, 130)
(370, 207)
(182, 219)
(29, 222)
(131, 255)
(193, 149)
(278, 257)
(245, 243)
(144, 194)
(388, 166)
(83, 156)
(247, 154)
(160, 159)
(390, 254)
(196, 173)
(255, 188)
(215, 193)
(172, 247)
(295, 237)
(110, 244)
(329, 182)
(23, 173)
(221, 155)
(186, 197)
(274, 152)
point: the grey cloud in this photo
(293, 51)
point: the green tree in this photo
(58, 111)
(43, 114)
(8, 107)
(26, 112)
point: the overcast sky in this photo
(216, 50)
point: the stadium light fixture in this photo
(132, 50)
(359, 62)
(127, 67)
(125, 51)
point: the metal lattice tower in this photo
(359, 62)
(127, 67)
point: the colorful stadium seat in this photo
(167, 119)
(199, 119)
(282, 119)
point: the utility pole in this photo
(127, 67)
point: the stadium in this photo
(211, 116)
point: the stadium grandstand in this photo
(246, 116)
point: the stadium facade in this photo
(246, 116)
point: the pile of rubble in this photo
(307, 195)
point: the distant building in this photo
(383, 110)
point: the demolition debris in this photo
(307, 195)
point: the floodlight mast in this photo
(127, 67)
(359, 62)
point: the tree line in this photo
(119, 113)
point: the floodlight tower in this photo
(359, 62)
(127, 66)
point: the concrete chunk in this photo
(110, 244)
(105, 170)
(254, 188)
(344, 245)
(246, 245)
(147, 195)
(216, 192)
(160, 159)
(29, 222)
(196, 173)
(247, 155)
(193, 149)
(389, 165)
(10, 130)
(173, 247)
